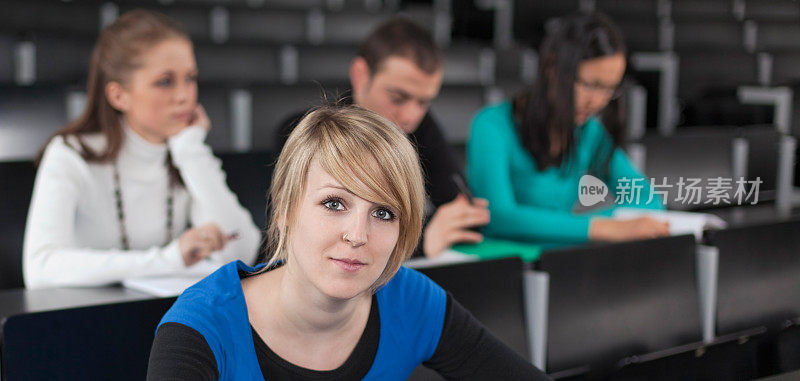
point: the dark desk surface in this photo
(789, 376)
(749, 214)
(19, 301)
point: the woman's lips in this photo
(349, 265)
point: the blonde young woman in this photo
(130, 189)
(334, 302)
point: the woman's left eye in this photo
(384, 214)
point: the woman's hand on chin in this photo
(200, 118)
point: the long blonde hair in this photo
(365, 153)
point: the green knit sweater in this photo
(527, 204)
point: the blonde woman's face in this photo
(161, 95)
(339, 242)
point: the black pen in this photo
(462, 186)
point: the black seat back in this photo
(609, 301)
(492, 292)
(758, 280)
(690, 156)
(105, 342)
(15, 195)
(729, 359)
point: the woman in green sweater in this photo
(527, 156)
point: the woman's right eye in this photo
(333, 205)
(164, 82)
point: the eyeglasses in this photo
(611, 92)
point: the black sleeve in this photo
(467, 350)
(438, 161)
(181, 353)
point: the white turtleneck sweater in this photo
(73, 238)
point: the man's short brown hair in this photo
(401, 37)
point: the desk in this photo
(20, 301)
(77, 333)
(750, 214)
(788, 376)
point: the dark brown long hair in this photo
(549, 105)
(116, 54)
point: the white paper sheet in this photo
(173, 284)
(679, 222)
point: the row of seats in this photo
(242, 118)
(65, 60)
(251, 115)
(58, 59)
(717, 35)
(612, 301)
(706, 77)
(271, 26)
(720, 45)
(759, 10)
(311, 24)
(751, 152)
(697, 153)
(204, 22)
(531, 15)
(707, 81)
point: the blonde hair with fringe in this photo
(366, 154)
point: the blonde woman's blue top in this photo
(412, 311)
(531, 205)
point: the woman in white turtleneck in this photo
(130, 188)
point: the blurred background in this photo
(693, 63)
(714, 74)
(711, 91)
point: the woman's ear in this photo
(117, 96)
(281, 220)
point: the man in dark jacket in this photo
(397, 73)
